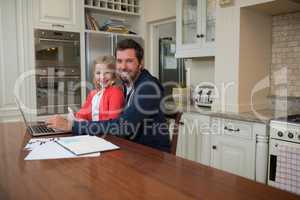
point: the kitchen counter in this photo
(261, 116)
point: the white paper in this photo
(36, 142)
(52, 150)
(86, 144)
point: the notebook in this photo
(81, 145)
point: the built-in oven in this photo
(58, 77)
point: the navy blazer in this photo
(142, 121)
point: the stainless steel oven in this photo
(58, 77)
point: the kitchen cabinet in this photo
(234, 156)
(236, 146)
(194, 138)
(239, 147)
(195, 26)
(58, 14)
(233, 147)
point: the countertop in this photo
(258, 116)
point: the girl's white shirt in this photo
(96, 105)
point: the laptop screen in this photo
(21, 111)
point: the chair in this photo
(175, 117)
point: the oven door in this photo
(273, 153)
(284, 165)
(57, 52)
(55, 94)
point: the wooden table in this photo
(133, 172)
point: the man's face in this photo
(128, 66)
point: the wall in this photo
(200, 70)
(16, 55)
(243, 56)
(255, 59)
(10, 67)
(227, 59)
(157, 9)
(285, 68)
(167, 30)
(154, 11)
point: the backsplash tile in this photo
(285, 68)
(286, 55)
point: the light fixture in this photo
(223, 3)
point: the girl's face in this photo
(103, 75)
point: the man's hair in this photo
(131, 44)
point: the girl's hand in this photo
(80, 120)
(58, 122)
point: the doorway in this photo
(169, 70)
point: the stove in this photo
(286, 128)
(292, 119)
(284, 154)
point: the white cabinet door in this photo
(233, 147)
(208, 24)
(195, 26)
(189, 23)
(57, 14)
(233, 155)
(193, 138)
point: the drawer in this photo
(237, 128)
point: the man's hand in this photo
(60, 123)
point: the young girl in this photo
(107, 100)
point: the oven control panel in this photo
(285, 132)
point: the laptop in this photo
(37, 128)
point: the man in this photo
(142, 120)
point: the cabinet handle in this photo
(58, 25)
(232, 130)
(214, 147)
(200, 35)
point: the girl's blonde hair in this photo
(110, 62)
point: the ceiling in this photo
(278, 7)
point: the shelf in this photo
(111, 33)
(115, 11)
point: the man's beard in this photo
(125, 77)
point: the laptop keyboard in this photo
(41, 129)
